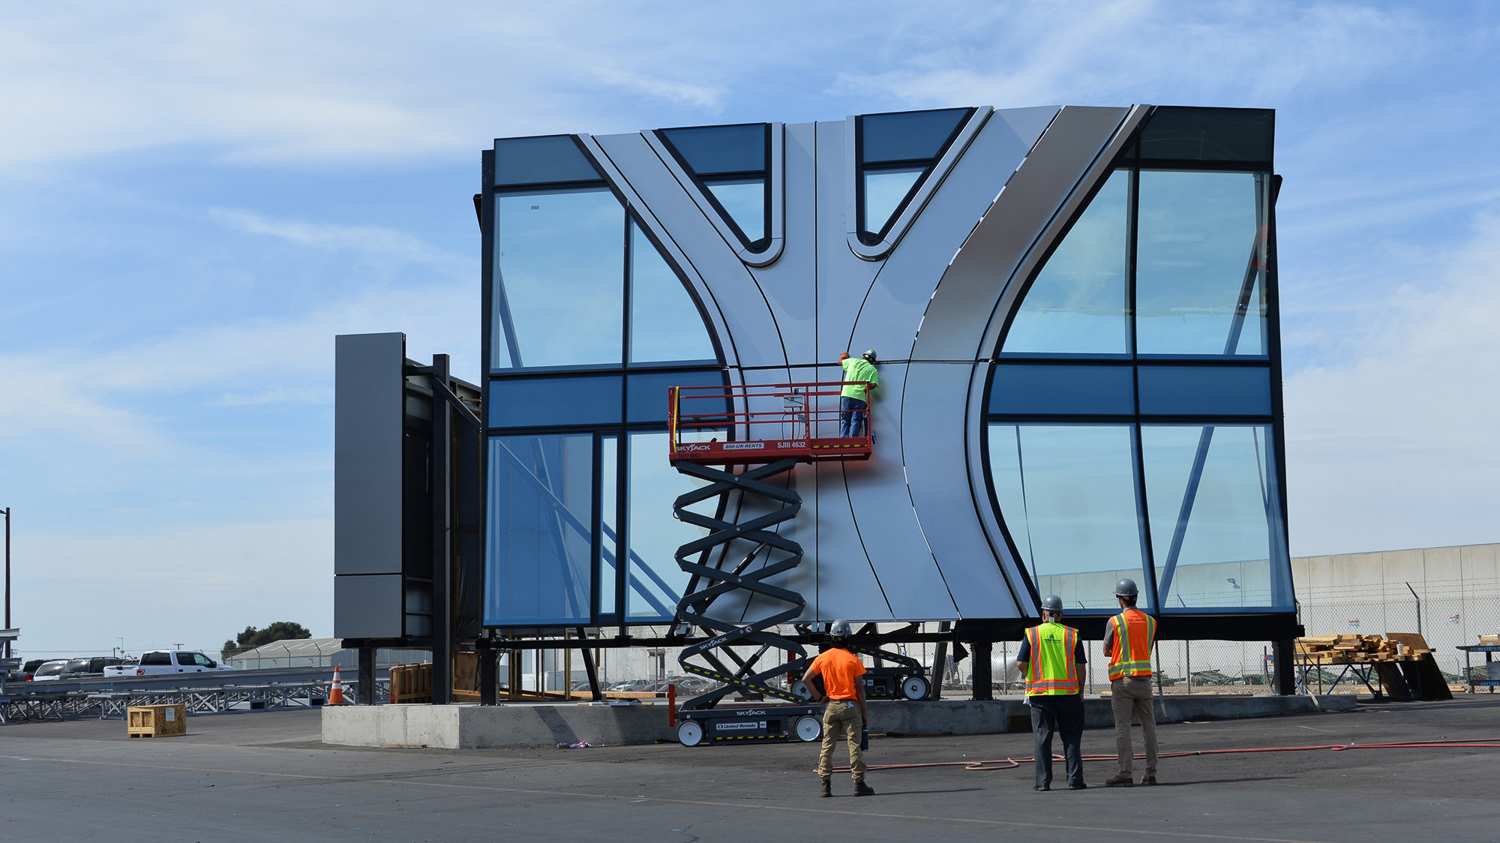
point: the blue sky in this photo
(194, 199)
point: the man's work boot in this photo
(1120, 780)
(1148, 779)
(862, 789)
(827, 790)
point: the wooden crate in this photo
(411, 683)
(156, 721)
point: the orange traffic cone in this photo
(336, 693)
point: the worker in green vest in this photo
(1050, 659)
(854, 400)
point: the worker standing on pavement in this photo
(1127, 641)
(1049, 658)
(846, 710)
(854, 400)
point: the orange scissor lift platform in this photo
(772, 422)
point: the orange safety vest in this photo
(1135, 632)
(1052, 670)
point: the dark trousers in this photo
(1049, 715)
(851, 416)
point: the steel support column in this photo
(442, 537)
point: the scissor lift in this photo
(775, 428)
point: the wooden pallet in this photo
(156, 721)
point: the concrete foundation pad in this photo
(522, 725)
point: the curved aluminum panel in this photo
(935, 412)
(789, 284)
(842, 280)
(665, 207)
(772, 251)
(895, 302)
(914, 208)
(985, 266)
(882, 508)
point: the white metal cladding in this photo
(909, 535)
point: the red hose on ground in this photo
(1012, 763)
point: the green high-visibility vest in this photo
(1052, 670)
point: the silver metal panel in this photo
(935, 414)
(789, 283)
(989, 519)
(842, 278)
(970, 290)
(893, 307)
(367, 434)
(882, 506)
(666, 206)
(924, 193)
(772, 252)
(367, 606)
(847, 587)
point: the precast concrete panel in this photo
(368, 419)
(842, 278)
(893, 306)
(748, 319)
(367, 606)
(984, 268)
(883, 514)
(935, 417)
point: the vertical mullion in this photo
(596, 541)
(622, 526)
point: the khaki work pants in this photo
(842, 715)
(1131, 696)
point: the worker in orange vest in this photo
(1049, 659)
(846, 710)
(1127, 641)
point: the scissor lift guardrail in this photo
(776, 428)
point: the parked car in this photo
(90, 666)
(163, 662)
(49, 671)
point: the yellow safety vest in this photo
(1052, 670)
(1135, 632)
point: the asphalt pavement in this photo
(265, 776)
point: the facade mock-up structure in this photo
(1074, 313)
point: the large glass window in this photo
(1200, 257)
(558, 293)
(732, 164)
(1080, 302)
(540, 530)
(665, 324)
(894, 153)
(1067, 494)
(1211, 493)
(656, 581)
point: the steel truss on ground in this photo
(111, 705)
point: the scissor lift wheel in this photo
(690, 733)
(809, 728)
(915, 688)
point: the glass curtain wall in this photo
(589, 324)
(1131, 425)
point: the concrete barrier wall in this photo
(526, 725)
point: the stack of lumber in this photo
(1353, 649)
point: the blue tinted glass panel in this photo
(609, 522)
(911, 136)
(648, 395)
(1067, 496)
(538, 542)
(559, 280)
(1079, 302)
(665, 324)
(745, 203)
(655, 582)
(1209, 134)
(539, 160)
(1216, 533)
(884, 192)
(714, 150)
(534, 402)
(1205, 390)
(1063, 390)
(1200, 254)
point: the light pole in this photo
(7, 576)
